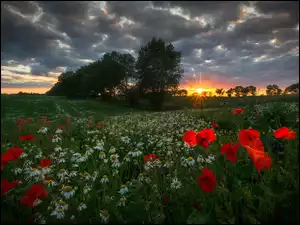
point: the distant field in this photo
(100, 169)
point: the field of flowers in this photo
(166, 167)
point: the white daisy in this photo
(99, 147)
(86, 175)
(190, 161)
(90, 151)
(43, 130)
(56, 139)
(86, 189)
(59, 213)
(176, 184)
(104, 215)
(24, 155)
(81, 207)
(58, 149)
(59, 131)
(67, 192)
(122, 201)
(62, 174)
(102, 155)
(104, 179)
(123, 190)
(116, 164)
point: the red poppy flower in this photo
(7, 186)
(214, 124)
(15, 153)
(248, 137)
(68, 121)
(166, 198)
(238, 111)
(26, 200)
(37, 191)
(5, 158)
(150, 157)
(207, 180)
(260, 159)
(205, 136)
(45, 162)
(189, 137)
(19, 122)
(285, 133)
(197, 207)
(230, 151)
(28, 137)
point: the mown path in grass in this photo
(13, 107)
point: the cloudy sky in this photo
(228, 43)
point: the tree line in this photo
(272, 89)
(155, 73)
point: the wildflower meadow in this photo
(61, 163)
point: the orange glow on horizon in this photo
(40, 90)
(191, 90)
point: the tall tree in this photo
(182, 92)
(251, 90)
(229, 92)
(173, 89)
(245, 91)
(220, 91)
(292, 89)
(159, 66)
(273, 90)
(238, 90)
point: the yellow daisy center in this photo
(59, 210)
(67, 188)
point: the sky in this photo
(225, 43)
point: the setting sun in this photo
(199, 90)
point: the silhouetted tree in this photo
(159, 67)
(229, 92)
(220, 91)
(238, 90)
(182, 92)
(251, 90)
(273, 90)
(292, 89)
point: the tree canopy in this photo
(157, 69)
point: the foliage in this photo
(238, 90)
(182, 92)
(273, 90)
(229, 92)
(159, 69)
(292, 89)
(220, 91)
(161, 191)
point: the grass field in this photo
(88, 161)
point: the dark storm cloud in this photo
(254, 42)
